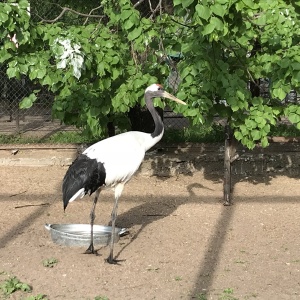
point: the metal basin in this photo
(79, 235)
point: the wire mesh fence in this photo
(38, 118)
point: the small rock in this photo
(15, 151)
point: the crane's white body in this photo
(121, 156)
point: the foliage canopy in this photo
(99, 69)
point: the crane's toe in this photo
(91, 250)
(114, 261)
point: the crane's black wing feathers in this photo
(83, 173)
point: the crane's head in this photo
(157, 90)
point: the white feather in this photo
(80, 194)
(153, 87)
(121, 154)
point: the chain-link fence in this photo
(12, 118)
(38, 118)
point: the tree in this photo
(229, 48)
(97, 67)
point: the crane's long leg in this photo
(91, 249)
(118, 192)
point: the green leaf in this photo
(294, 118)
(186, 3)
(244, 130)
(250, 124)
(295, 66)
(257, 101)
(203, 11)
(47, 80)
(209, 28)
(218, 24)
(279, 93)
(126, 14)
(238, 135)
(248, 3)
(262, 20)
(177, 2)
(266, 128)
(218, 9)
(284, 63)
(27, 102)
(3, 17)
(240, 95)
(128, 24)
(23, 4)
(41, 73)
(243, 40)
(4, 56)
(264, 142)
(256, 135)
(193, 113)
(12, 72)
(182, 95)
(109, 44)
(134, 34)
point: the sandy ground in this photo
(182, 242)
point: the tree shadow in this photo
(155, 210)
(209, 265)
(19, 227)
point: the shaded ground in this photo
(183, 243)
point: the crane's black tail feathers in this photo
(84, 173)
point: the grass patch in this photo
(178, 278)
(65, 137)
(227, 295)
(199, 134)
(50, 262)
(201, 296)
(12, 285)
(285, 131)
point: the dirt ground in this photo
(182, 242)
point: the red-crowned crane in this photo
(111, 163)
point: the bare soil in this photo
(182, 242)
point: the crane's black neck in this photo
(159, 125)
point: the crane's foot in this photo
(114, 261)
(90, 250)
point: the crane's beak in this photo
(171, 97)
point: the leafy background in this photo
(115, 51)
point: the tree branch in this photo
(64, 10)
(244, 65)
(188, 26)
(90, 13)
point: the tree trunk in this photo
(111, 129)
(229, 157)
